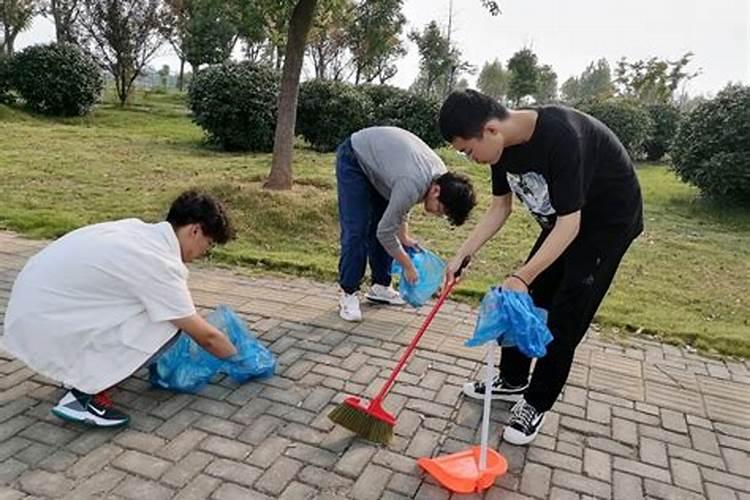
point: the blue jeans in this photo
(360, 209)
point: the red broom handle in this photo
(418, 336)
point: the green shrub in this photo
(57, 79)
(328, 111)
(665, 118)
(712, 147)
(235, 104)
(400, 108)
(629, 121)
(5, 84)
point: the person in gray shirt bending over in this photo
(381, 173)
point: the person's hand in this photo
(410, 273)
(515, 283)
(409, 242)
(452, 268)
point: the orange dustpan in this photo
(475, 469)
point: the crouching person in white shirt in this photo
(97, 304)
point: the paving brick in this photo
(371, 483)
(34, 453)
(536, 480)
(94, 462)
(53, 435)
(598, 412)
(142, 464)
(298, 491)
(597, 464)
(225, 448)
(199, 488)
(188, 467)
(736, 443)
(234, 471)
(738, 462)
(704, 440)
(653, 452)
(568, 448)
(673, 421)
(624, 431)
(716, 492)
(45, 484)
(626, 486)
(403, 484)
(642, 470)
(733, 481)
(686, 475)
(562, 494)
(183, 444)
(696, 457)
(97, 485)
(262, 427)
(584, 427)
(13, 446)
(58, 461)
(423, 444)
(277, 477)
(354, 461)
(662, 435)
(268, 451)
(177, 423)
(328, 482)
(582, 484)
(554, 459)
(669, 492)
(140, 441)
(431, 492)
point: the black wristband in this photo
(520, 279)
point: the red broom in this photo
(373, 422)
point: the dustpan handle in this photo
(418, 336)
(488, 380)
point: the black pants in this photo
(571, 290)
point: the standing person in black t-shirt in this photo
(577, 180)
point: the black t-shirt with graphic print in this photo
(572, 162)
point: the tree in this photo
(200, 31)
(493, 80)
(439, 62)
(524, 75)
(264, 26)
(328, 38)
(125, 35)
(571, 90)
(65, 16)
(594, 84)
(374, 39)
(15, 17)
(164, 77)
(654, 81)
(546, 91)
(299, 27)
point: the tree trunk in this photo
(299, 27)
(181, 78)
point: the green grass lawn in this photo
(686, 279)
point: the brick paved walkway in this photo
(642, 420)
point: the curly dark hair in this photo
(195, 207)
(457, 196)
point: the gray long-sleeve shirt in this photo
(401, 167)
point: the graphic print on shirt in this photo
(532, 190)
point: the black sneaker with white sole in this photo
(94, 410)
(501, 390)
(525, 422)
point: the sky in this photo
(570, 34)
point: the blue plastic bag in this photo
(187, 367)
(430, 272)
(511, 318)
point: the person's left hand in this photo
(515, 284)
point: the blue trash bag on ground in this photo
(430, 272)
(187, 367)
(511, 318)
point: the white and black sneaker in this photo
(94, 410)
(525, 422)
(384, 295)
(501, 390)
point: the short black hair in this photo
(465, 112)
(195, 207)
(457, 196)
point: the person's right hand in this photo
(411, 274)
(452, 268)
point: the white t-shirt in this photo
(93, 306)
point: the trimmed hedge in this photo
(236, 104)
(57, 79)
(627, 119)
(666, 119)
(712, 147)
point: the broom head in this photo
(372, 423)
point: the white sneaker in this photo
(384, 295)
(349, 307)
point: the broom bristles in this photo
(362, 423)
